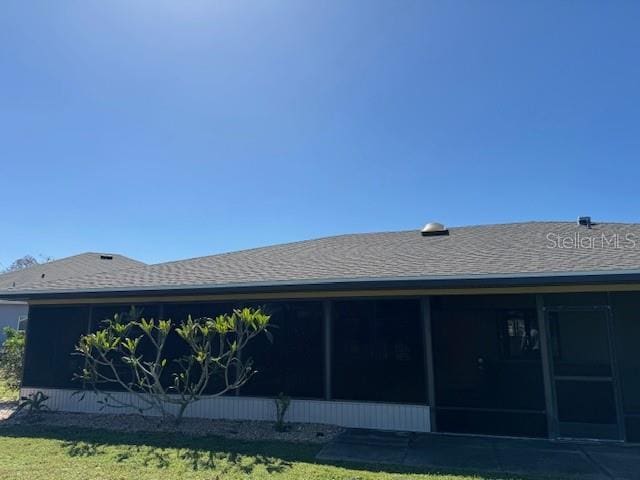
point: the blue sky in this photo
(165, 130)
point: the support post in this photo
(90, 329)
(27, 346)
(547, 374)
(615, 372)
(425, 309)
(90, 320)
(327, 324)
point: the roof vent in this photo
(106, 257)
(585, 221)
(434, 228)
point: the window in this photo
(22, 323)
(519, 334)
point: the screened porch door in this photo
(583, 376)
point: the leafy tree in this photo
(130, 353)
(12, 357)
(26, 262)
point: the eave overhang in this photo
(340, 285)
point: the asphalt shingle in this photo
(507, 249)
(74, 266)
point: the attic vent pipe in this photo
(434, 228)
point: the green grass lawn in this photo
(32, 452)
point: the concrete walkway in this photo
(493, 456)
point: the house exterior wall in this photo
(10, 312)
(379, 416)
(479, 398)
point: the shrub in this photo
(34, 404)
(282, 405)
(130, 353)
(12, 357)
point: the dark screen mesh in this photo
(101, 313)
(52, 335)
(572, 407)
(626, 317)
(378, 352)
(293, 363)
(492, 422)
(576, 299)
(176, 347)
(487, 357)
(632, 425)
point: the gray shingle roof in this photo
(74, 266)
(492, 250)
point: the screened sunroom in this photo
(488, 330)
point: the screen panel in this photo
(626, 320)
(585, 402)
(378, 351)
(101, 314)
(292, 361)
(176, 347)
(626, 326)
(579, 343)
(488, 365)
(52, 335)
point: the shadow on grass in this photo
(212, 453)
(167, 449)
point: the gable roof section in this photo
(507, 251)
(56, 270)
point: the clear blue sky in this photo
(165, 130)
